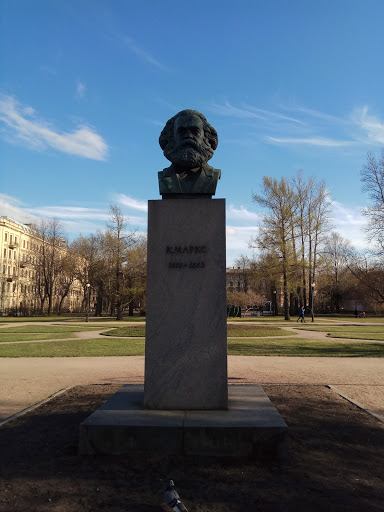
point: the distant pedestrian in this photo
(356, 313)
(301, 314)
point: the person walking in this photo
(301, 315)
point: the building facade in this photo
(19, 255)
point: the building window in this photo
(10, 239)
(5, 253)
(10, 254)
(23, 244)
(14, 255)
(15, 239)
(6, 237)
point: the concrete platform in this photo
(251, 427)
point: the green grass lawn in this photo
(233, 331)
(345, 328)
(253, 331)
(97, 319)
(126, 331)
(46, 328)
(75, 348)
(55, 318)
(251, 347)
(358, 336)
(301, 347)
(34, 336)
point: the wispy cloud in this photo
(21, 125)
(130, 202)
(69, 212)
(249, 112)
(81, 89)
(13, 208)
(350, 223)
(75, 220)
(242, 214)
(310, 112)
(239, 237)
(371, 125)
(49, 70)
(297, 125)
(310, 141)
(142, 54)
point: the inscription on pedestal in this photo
(187, 256)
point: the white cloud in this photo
(70, 212)
(22, 127)
(349, 222)
(370, 124)
(142, 54)
(130, 202)
(13, 208)
(249, 112)
(239, 237)
(80, 90)
(242, 214)
(311, 141)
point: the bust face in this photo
(188, 129)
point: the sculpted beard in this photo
(189, 155)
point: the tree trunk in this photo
(286, 301)
(99, 304)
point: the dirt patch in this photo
(336, 463)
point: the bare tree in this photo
(50, 248)
(117, 242)
(276, 235)
(335, 274)
(372, 176)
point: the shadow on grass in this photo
(336, 462)
(308, 349)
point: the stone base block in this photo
(251, 427)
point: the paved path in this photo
(26, 381)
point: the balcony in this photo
(13, 245)
(22, 264)
(9, 279)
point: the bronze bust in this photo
(188, 141)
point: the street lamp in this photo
(312, 294)
(87, 316)
(274, 303)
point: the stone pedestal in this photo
(250, 427)
(186, 336)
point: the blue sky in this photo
(86, 87)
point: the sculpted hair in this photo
(211, 139)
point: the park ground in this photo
(332, 402)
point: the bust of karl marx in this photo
(188, 141)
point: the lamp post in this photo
(312, 294)
(274, 303)
(87, 315)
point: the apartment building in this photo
(19, 252)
